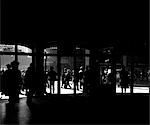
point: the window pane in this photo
(7, 48)
(24, 62)
(24, 49)
(51, 50)
(4, 60)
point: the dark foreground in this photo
(80, 109)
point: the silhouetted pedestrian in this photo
(16, 80)
(52, 78)
(29, 83)
(124, 79)
(68, 77)
(5, 79)
(76, 80)
(81, 77)
(64, 77)
(44, 81)
(87, 80)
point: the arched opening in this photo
(10, 53)
(70, 63)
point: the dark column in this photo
(34, 58)
(16, 51)
(58, 67)
(39, 70)
(45, 60)
(113, 68)
(132, 75)
(95, 85)
(75, 69)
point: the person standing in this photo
(29, 83)
(16, 80)
(52, 78)
(124, 79)
(6, 80)
(87, 80)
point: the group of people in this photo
(122, 78)
(12, 81)
(68, 77)
(79, 78)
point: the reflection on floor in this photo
(71, 91)
(63, 91)
(135, 90)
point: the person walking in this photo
(81, 77)
(64, 78)
(67, 79)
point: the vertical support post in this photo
(95, 73)
(58, 66)
(113, 68)
(132, 75)
(45, 60)
(16, 51)
(34, 57)
(39, 72)
(75, 69)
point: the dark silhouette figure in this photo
(143, 74)
(29, 83)
(44, 81)
(67, 79)
(76, 79)
(124, 79)
(16, 81)
(64, 77)
(6, 79)
(147, 75)
(111, 78)
(87, 80)
(52, 78)
(12, 113)
(81, 77)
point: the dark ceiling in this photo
(94, 24)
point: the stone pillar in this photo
(75, 67)
(94, 66)
(39, 70)
(16, 51)
(132, 75)
(58, 67)
(113, 69)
